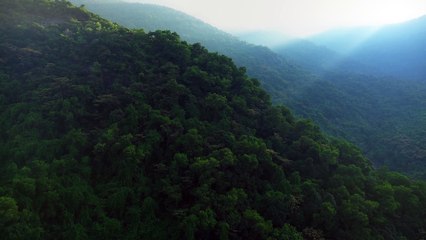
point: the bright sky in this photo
(296, 17)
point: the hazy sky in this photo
(296, 17)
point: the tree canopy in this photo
(111, 133)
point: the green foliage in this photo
(111, 133)
(344, 95)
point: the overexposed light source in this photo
(296, 17)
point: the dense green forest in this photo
(111, 133)
(346, 96)
(381, 113)
(279, 77)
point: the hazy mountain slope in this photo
(385, 117)
(382, 114)
(269, 39)
(344, 105)
(343, 40)
(398, 50)
(320, 59)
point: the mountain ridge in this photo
(270, 67)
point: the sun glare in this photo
(298, 18)
(382, 12)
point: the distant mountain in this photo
(398, 50)
(363, 99)
(343, 40)
(320, 59)
(268, 39)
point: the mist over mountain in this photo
(320, 59)
(269, 39)
(397, 50)
(343, 40)
(375, 69)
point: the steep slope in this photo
(110, 133)
(383, 115)
(339, 97)
(276, 73)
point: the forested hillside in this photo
(111, 133)
(375, 70)
(385, 117)
(281, 78)
(382, 115)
